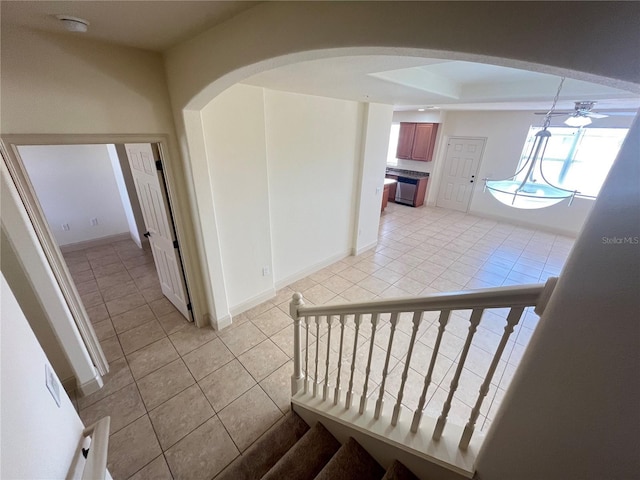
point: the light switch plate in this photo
(52, 383)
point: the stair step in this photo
(267, 450)
(351, 462)
(306, 458)
(397, 471)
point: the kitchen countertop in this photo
(407, 173)
(389, 181)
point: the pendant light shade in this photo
(528, 188)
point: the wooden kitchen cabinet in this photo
(405, 140)
(416, 141)
(392, 188)
(421, 190)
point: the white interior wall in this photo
(506, 133)
(60, 83)
(74, 184)
(235, 147)
(28, 253)
(285, 174)
(39, 439)
(124, 194)
(313, 151)
(375, 143)
(130, 185)
(33, 309)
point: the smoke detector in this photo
(73, 24)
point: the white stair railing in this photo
(515, 298)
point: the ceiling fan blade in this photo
(595, 115)
(554, 114)
(622, 114)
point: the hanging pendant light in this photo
(524, 190)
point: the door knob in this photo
(147, 234)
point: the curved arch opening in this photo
(200, 99)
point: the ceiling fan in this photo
(581, 115)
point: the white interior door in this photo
(460, 172)
(158, 223)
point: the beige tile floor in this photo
(184, 402)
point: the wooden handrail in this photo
(498, 297)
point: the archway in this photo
(502, 34)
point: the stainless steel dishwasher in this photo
(406, 190)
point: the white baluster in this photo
(296, 378)
(325, 389)
(512, 320)
(374, 323)
(417, 316)
(315, 378)
(336, 395)
(417, 416)
(442, 419)
(385, 370)
(357, 320)
(307, 321)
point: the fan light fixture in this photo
(577, 121)
(526, 191)
(73, 24)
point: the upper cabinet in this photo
(416, 141)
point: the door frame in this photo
(443, 166)
(9, 144)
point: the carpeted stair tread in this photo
(351, 462)
(267, 450)
(397, 471)
(306, 458)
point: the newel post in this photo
(296, 379)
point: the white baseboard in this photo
(355, 252)
(252, 302)
(312, 269)
(544, 228)
(96, 242)
(91, 386)
(220, 323)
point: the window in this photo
(577, 158)
(393, 144)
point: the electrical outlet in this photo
(94, 222)
(66, 227)
(266, 271)
(52, 383)
(378, 190)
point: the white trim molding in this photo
(96, 242)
